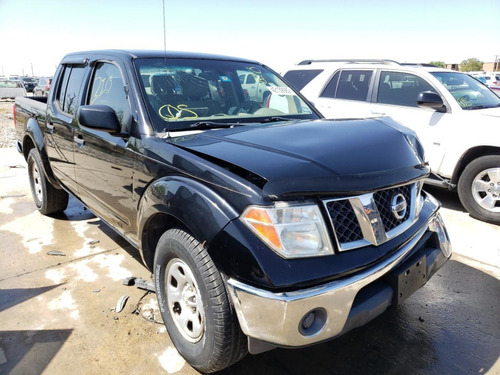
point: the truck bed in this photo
(28, 107)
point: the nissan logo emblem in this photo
(399, 206)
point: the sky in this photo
(36, 34)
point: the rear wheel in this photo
(194, 304)
(479, 188)
(48, 199)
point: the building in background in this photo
(487, 66)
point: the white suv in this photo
(456, 117)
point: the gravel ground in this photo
(7, 130)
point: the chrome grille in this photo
(383, 200)
(344, 221)
(373, 218)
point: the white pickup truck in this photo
(10, 89)
(456, 117)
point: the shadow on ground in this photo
(13, 297)
(30, 352)
(448, 198)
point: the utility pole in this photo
(495, 65)
(32, 70)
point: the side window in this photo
(61, 91)
(107, 88)
(331, 87)
(300, 78)
(69, 89)
(401, 88)
(250, 79)
(349, 84)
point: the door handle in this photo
(50, 126)
(79, 140)
(378, 113)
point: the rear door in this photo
(61, 121)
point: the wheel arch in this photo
(33, 138)
(471, 155)
(179, 202)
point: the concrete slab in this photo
(473, 241)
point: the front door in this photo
(397, 97)
(104, 161)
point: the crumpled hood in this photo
(315, 157)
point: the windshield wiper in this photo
(275, 119)
(211, 125)
(482, 107)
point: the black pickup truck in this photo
(263, 224)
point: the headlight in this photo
(292, 231)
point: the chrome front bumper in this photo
(307, 316)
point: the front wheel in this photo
(194, 304)
(479, 188)
(48, 199)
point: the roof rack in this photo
(352, 61)
(420, 64)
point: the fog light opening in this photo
(313, 322)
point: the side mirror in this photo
(430, 99)
(99, 117)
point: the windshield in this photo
(9, 84)
(467, 91)
(184, 92)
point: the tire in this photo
(479, 188)
(48, 199)
(194, 304)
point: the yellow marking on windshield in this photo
(103, 87)
(174, 112)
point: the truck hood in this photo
(315, 157)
